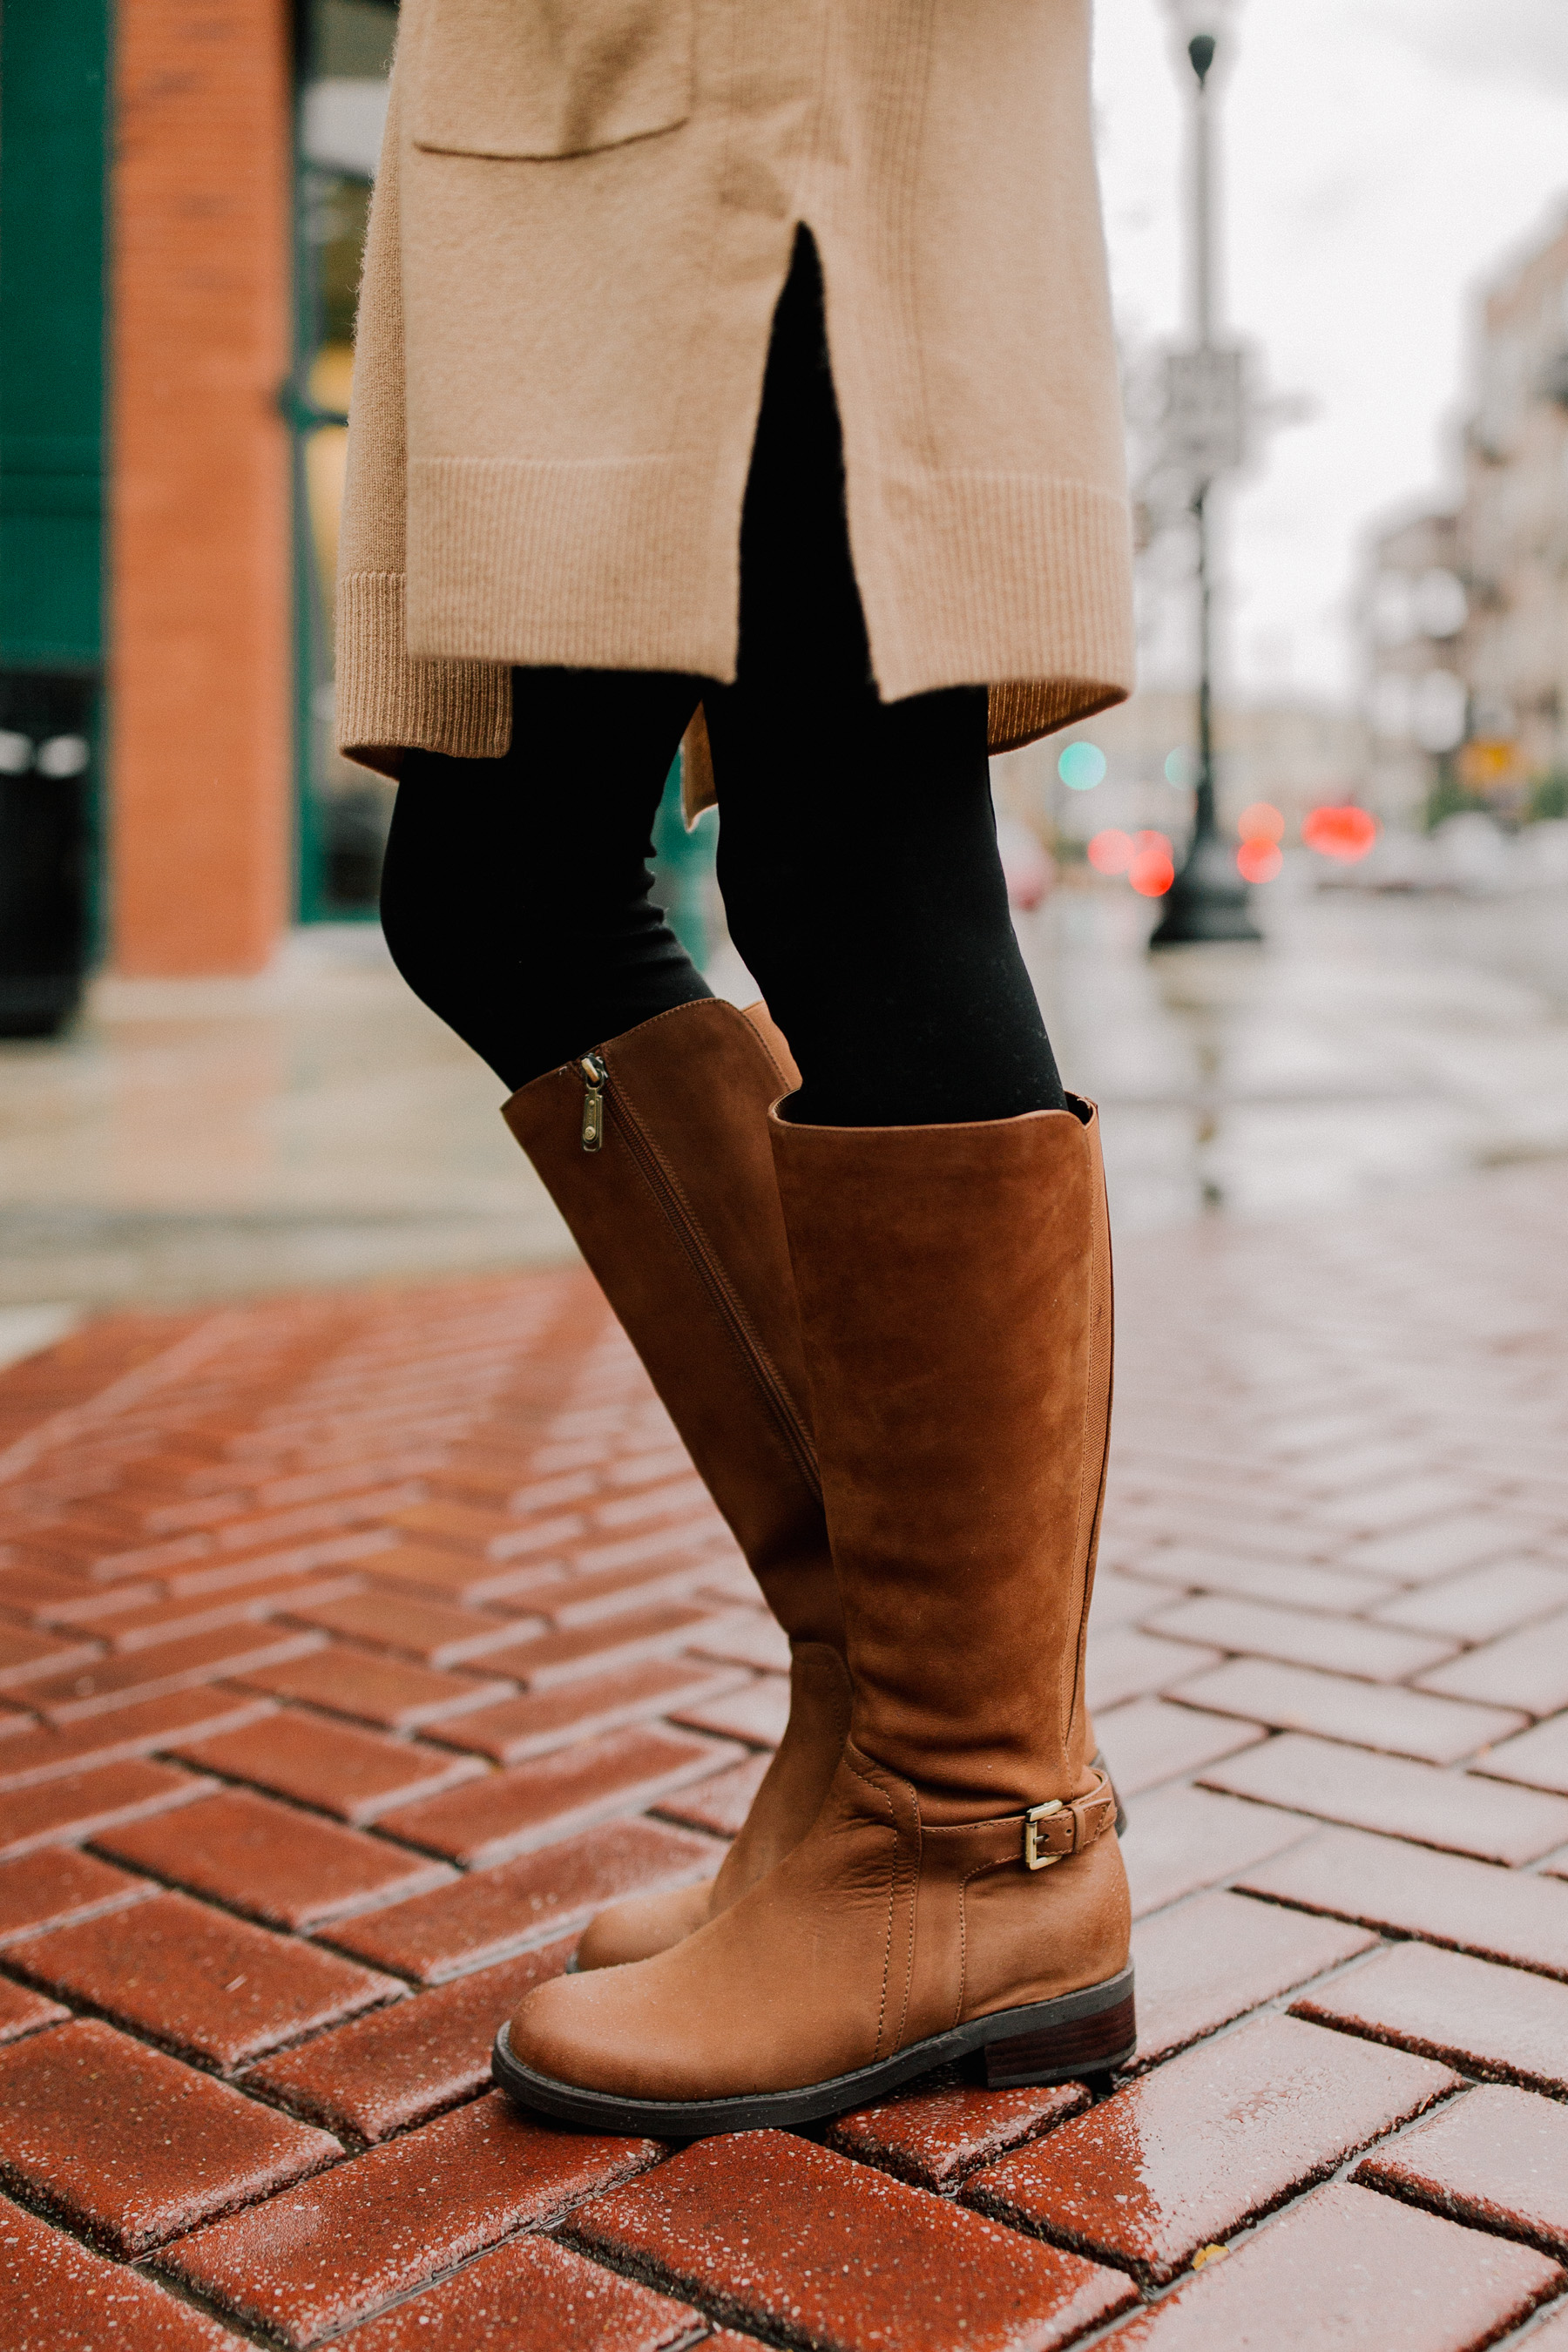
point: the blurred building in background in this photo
(1415, 617)
(1465, 608)
(183, 199)
(1514, 526)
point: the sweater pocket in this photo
(550, 78)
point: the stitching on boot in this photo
(981, 1870)
(1068, 1690)
(1108, 1321)
(892, 1893)
(914, 1917)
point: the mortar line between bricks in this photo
(444, 1757)
(535, 1940)
(577, 1825)
(1533, 1868)
(1505, 1870)
(81, 2006)
(31, 2032)
(715, 2305)
(1403, 2194)
(259, 2332)
(1476, 2073)
(277, 2101)
(1278, 2004)
(37, 2202)
(1170, 1592)
(314, 1712)
(231, 1909)
(1177, 1695)
(247, 2330)
(1155, 2291)
(455, 2270)
(1541, 2317)
(1454, 1767)
(235, 1782)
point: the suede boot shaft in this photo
(675, 1207)
(654, 1149)
(960, 1890)
(955, 1290)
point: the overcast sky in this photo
(1383, 159)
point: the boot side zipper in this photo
(594, 1074)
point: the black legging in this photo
(856, 853)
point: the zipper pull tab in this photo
(594, 1076)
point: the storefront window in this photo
(346, 56)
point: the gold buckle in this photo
(1033, 1858)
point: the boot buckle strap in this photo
(1033, 1857)
(1072, 1826)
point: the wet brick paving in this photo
(354, 1648)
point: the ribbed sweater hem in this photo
(1018, 581)
(643, 586)
(388, 703)
(965, 576)
(989, 576)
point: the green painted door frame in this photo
(53, 96)
(53, 89)
(337, 820)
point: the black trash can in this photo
(47, 730)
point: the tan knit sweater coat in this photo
(584, 217)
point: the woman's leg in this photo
(515, 892)
(515, 899)
(857, 850)
(950, 1264)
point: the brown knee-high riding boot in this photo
(959, 1891)
(655, 1151)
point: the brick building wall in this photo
(200, 554)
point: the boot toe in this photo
(642, 1927)
(596, 2033)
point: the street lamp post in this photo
(1205, 410)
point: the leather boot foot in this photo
(886, 1943)
(642, 1927)
(1089, 2033)
(781, 1811)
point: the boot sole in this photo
(1087, 2033)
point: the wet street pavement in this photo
(1372, 1044)
(205, 1139)
(356, 1646)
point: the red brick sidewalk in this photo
(355, 1649)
